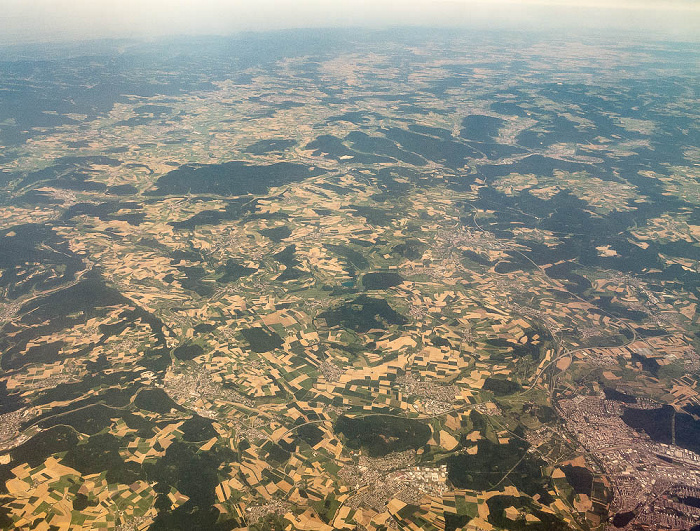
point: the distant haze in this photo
(61, 20)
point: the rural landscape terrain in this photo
(316, 280)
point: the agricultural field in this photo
(437, 281)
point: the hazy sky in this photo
(59, 20)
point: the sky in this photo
(24, 21)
